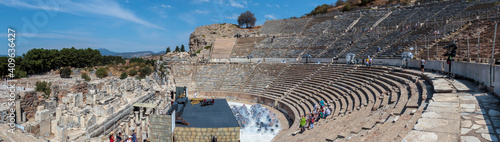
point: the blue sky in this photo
(129, 25)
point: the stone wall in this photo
(160, 128)
(497, 80)
(229, 134)
(29, 104)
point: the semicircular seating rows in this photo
(363, 100)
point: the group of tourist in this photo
(321, 111)
(119, 138)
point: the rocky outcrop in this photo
(205, 35)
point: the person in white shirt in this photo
(422, 64)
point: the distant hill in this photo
(106, 52)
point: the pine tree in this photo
(168, 50)
(177, 49)
(182, 48)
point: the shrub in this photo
(65, 72)
(43, 87)
(145, 72)
(339, 3)
(85, 76)
(320, 9)
(347, 7)
(132, 72)
(124, 75)
(208, 47)
(101, 72)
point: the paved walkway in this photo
(458, 111)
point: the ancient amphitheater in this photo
(384, 103)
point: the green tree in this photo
(246, 18)
(65, 72)
(346, 7)
(339, 3)
(177, 49)
(182, 48)
(85, 77)
(124, 75)
(132, 72)
(168, 50)
(145, 72)
(320, 9)
(42, 86)
(101, 72)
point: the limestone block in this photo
(58, 113)
(53, 127)
(90, 121)
(42, 115)
(62, 134)
(45, 128)
(39, 108)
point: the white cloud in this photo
(234, 16)
(268, 5)
(201, 11)
(256, 4)
(270, 16)
(238, 4)
(286, 5)
(97, 7)
(166, 6)
(278, 6)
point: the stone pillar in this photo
(24, 117)
(141, 113)
(136, 114)
(58, 113)
(127, 132)
(18, 112)
(138, 131)
(143, 129)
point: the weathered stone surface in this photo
(465, 131)
(475, 126)
(418, 136)
(438, 125)
(466, 123)
(469, 139)
(468, 106)
(490, 137)
(442, 86)
(441, 115)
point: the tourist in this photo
(370, 62)
(134, 137)
(422, 64)
(322, 103)
(302, 123)
(378, 49)
(194, 95)
(327, 112)
(111, 137)
(119, 137)
(320, 112)
(315, 107)
(129, 139)
(311, 121)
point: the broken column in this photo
(18, 112)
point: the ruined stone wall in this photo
(160, 128)
(229, 134)
(206, 35)
(29, 103)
